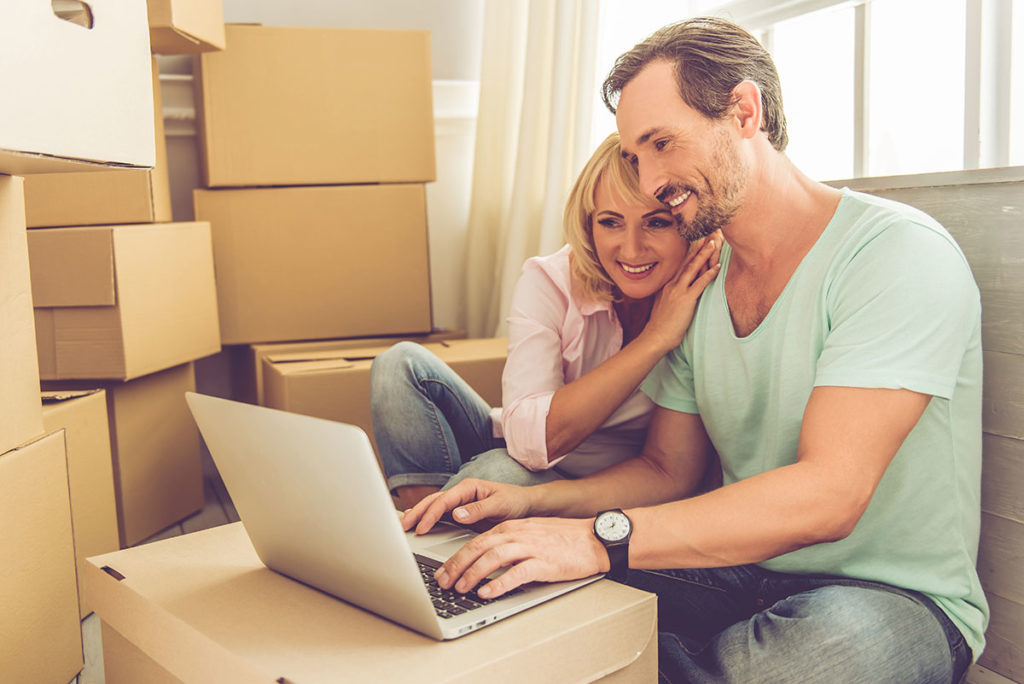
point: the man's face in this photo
(687, 161)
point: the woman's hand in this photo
(674, 305)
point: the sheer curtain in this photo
(532, 138)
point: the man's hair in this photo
(711, 56)
(606, 163)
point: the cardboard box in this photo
(247, 366)
(203, 608)
(154, 442)
(185, 26)
(40, 632)
(336, 384)
(82, 415)
(21, 417)
(316, 106)
(78, 84)
(319, 262)
(119, 302)
(104, 197)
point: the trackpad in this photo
(446, 549)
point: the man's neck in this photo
(783, 215)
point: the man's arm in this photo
(848, 437)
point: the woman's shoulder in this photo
(550, 269)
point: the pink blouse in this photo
(554, 337)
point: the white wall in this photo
(456, 30)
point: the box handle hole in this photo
(73, 11)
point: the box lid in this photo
(206, 609)
(185, 26)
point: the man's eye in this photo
(660, 145)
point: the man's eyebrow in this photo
(655, 212)
(647, 135)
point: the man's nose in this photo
(652, 179)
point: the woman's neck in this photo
(633, 315)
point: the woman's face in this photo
(637, 244)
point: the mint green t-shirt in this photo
(884, 299)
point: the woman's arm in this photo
(580, 407)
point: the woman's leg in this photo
(426, 420)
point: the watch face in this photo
(612, 526)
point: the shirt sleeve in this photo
(533, 370)
(901, 314)
(670, 382)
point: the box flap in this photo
(349, 356)
(60, 396)
(72, 267)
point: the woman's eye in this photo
(608, 223)
(659, 223)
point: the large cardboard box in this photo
(319, 262)
(247, 366)
(316, 106)
(335, 384)
(203, 608)
(154, 442)
(185, 26)
(82, 415)
(104, 197)
(40, 632)
(21, 417)
(78, 86)
(119, 302)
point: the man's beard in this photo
(717, 207)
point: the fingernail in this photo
(460, 586)
(460, 513)
(484, 592)
(441, 576)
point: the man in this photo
(835, 367)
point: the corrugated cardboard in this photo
(158, 477)
(247, 362)
(83, 417)
(319, 262)
(185, 26)
(76, 96)
(119, 302)
(40, 632)
(316, 106)
(104, 197)
(204, 609)
(335, 384)
(21, 417)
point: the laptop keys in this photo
(447, 602)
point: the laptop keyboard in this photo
(447, 602)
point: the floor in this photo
(217, 510)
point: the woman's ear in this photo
(747, 108)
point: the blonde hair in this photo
(589, 277)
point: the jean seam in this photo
(458, 399)
(689, 582)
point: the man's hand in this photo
(471, 502)
(535, 549)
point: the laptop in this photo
(316, 507)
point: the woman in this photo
(587, 324)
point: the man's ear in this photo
(747, 108)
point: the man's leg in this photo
(497, 466)
(834, 633)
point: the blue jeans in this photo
(432, 428)
(746, 624)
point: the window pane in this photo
(916, 81)
(814, 55)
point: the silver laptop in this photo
(314, 503)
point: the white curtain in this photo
(532, 138)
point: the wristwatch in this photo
(613, 529)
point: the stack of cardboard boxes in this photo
(125, 301)
(81, 87)
(316, 145)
